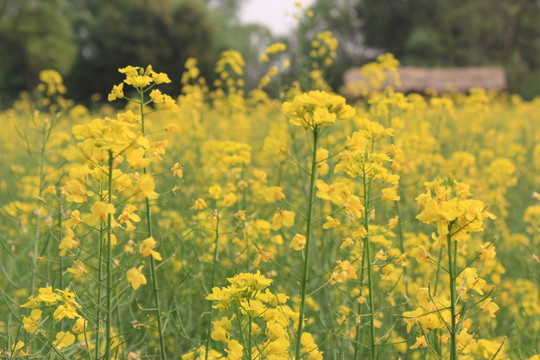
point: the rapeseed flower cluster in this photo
(65, 307)
(265, 314)
(317, 109)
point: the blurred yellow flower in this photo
(298, 242)
(147, 249)
(63, 339)
(135, 277)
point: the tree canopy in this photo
(33, 36)
(88, 40)
(113, 34)
(439, 33)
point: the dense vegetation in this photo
(225, 224)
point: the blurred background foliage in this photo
(87, 40)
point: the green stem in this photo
(155, 285)
(109, 265)
(238, 317)
(402, 247)
(452, 266)
(60, 238)
(313, 177)
(248, 244)
(245, 224)
(437, 272)
(279, 86)
(249, 338)
(158, 308)
(213, 279)
(99, 277)
(359, 325)
(51, 316)
(152, 262)
(45, 136)
(367, 246)
(34, 253)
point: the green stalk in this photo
(402, 247)
(109, 266)
(152, 262)
(34, 253)
(358, 326)
(244, 227)
(247, 242)
(156, 300)
(452, 269)
(99, 276)
(367, 245)
(437, 273)
(279, 85)
(313, 177)
(45, 137)
(60, 238)
(249, 338)
(51, 315)
(213, 279)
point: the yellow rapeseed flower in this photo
(298, 242)
(31, 323)
(117, 92)
(234, 350)
(136, 277)
(145, 187)
(331, 223)
(317, 108)
(63, 339)
(68, 242)
(147, 249)
(100, 210)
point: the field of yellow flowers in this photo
(231, 225)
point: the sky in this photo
(275, 14)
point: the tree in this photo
(228, 8)
(433, 33)
(34, 35)
(456, 32)
(114, 34)
(340, 17)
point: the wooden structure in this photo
(414, 79)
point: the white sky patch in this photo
(277, 15)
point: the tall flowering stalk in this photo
(144, 81)
(275, 51)
(314, 111)
(46, 132)
(213, 279)
(108, 256)
(102, 143)
(362, 160)
(455, 217)
(246, 304)
(45, 118)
